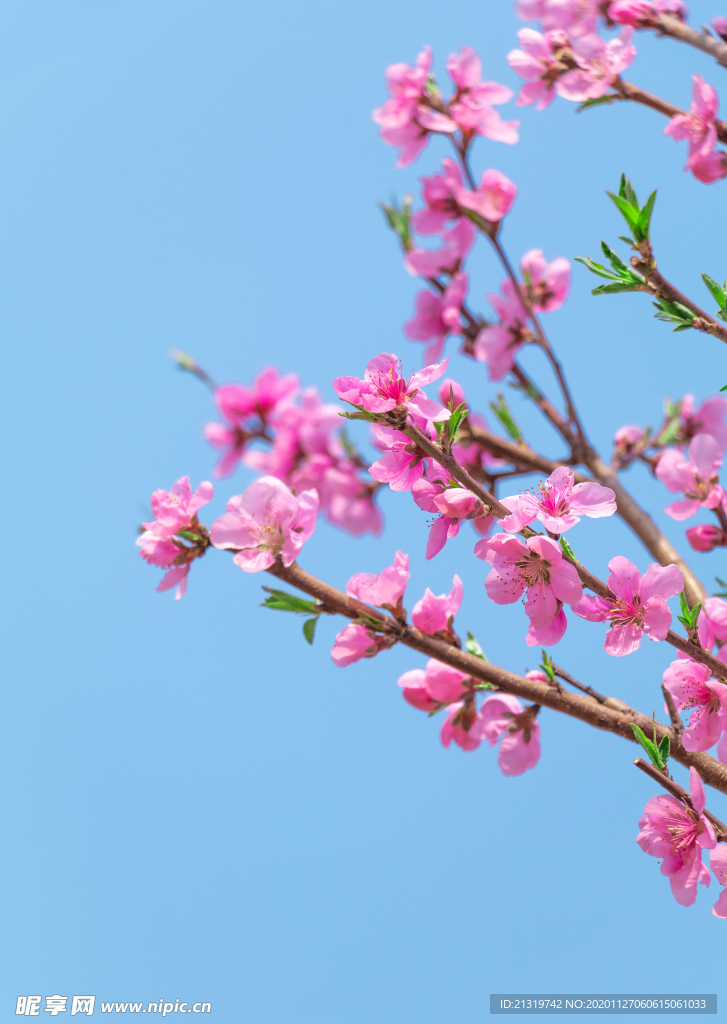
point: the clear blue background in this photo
(195, 803)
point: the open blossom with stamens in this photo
(446, 197)
(546, 284)
(265, 522)
(718, 864)
(560, 504)
(696, 476)
(639, 606)
(403, 461)
(708, 418)
(537, 567)
(503, 716)
(499, 344)
(175, 512)
(678, 834)
(598, 62)
(463, 725)
(699, 128)
(645, 13)
(690, 685)
(434, 614)
(406, 119)
(437, 316)
(472, 107)
(385, 589)
(383, 388)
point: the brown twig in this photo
(568, 678)
(670, 25)
(676, 721)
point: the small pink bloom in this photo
(696, 476)
(690, 685)
(707, 419)
(598, 63)
(446, 197)
(627, 437)
(718, 856)
(473, 108)
(269, 393)
(438, 316)
(175, 511)
(403, 461)
(640, 606)
(672, 831)
(462, 725)
(493, 197)
(712, 622)
(560, 504)
(503, 716)
(537, 64)
(547, 635)
(498, 345)
(447, 259)
(699, 128)
(353, 643)
(265, 522)
(384, 590)
(546, 284)
(383, 388)
(719, 24)
(454, 504)
(436, 614)
(705, 537)
(415, 692)
(537, 567)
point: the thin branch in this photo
(669, 25)
(676, 721)
(568, 678)
(614, 716)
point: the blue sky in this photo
(198, 805)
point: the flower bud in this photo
(706, 537)
(626, 437)
(719, 24)
(457, 392)
(459, 503)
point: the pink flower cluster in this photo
(304, 450)
(699, 128)
(416, 109)
(384, 590)
(162, 542)
(645, 13)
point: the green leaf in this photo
(724, 388)
(473, 647)
(456, 419)
(717, 292)
(188, 535)
(670, 432)
(505, 417)
(608, 98)
(675, 313)
(648, 746)
(438, 428)
(596, 268)
(616, 262)
(664, 749)
(309, 629)
(683, 604)
(547, 666)
(645, 217)
(629, 212)
(479, 221)
(611, 289)
(567, 549)
(626, 191)
(281, 601)
(723, 585)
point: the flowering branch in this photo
(676, 790)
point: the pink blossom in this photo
(436, 614)
(645, 13)
(696, 476)
(719, 24)
(473, 108)
(548, 635)
(415, 692)
(560, 504)
(403, 461)
(383, 388)
(598, 62)
(690, 685)
(707, 419)
(503, 716)
(699, 128)
(712, 622)
(705, 537)
(538, 65)
(266, 522)
(718, 856)
(674, 832)
(353, 643)
(384, 590)
(430, 263)
(498, 345)
(175, 512)
(453, 504)
(577, 17)
(626, 438)
(441, 683)
(462, 725)
(268, 394)
(437, 316)
(406, 119)
(546, 284)
(538, 567)
(446, 197)
(355, 514)
(640, 605)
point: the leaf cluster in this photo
(399, 220)
(282, 601)
(638, 218)
(657, 755)
(674, 313)
(719, 294)
(623, 279)
(688, 617)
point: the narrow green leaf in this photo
(608, 98)
(611, 289)
(648, 746)
(616, 262)
(473, 647)
(724, 388)
(567, 549)
(683, 604)
(626, 191)
(645, 217)
(281, 601)
(188, 535)
(630, 213)
(664, 749)
(309, 629)
(628, 241)
(547, 666)
(597, 268)
(717, 292)
(505, 417)
(456, 419)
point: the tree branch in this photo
(669, 25)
